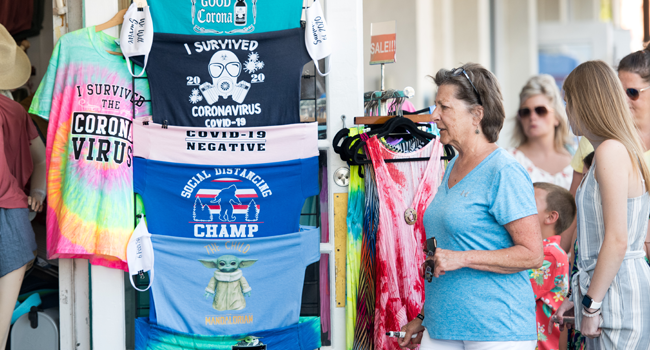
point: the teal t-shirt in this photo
(469, 304)
(224, 17)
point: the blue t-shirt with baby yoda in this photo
(236, 286)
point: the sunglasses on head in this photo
(526, 112)
(633, 94)
(458, 71)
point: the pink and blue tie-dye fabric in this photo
(87, 96)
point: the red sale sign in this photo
(382, 48)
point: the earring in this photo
(477, 132)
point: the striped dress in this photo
(626, 306)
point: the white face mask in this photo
(316, 36)
(139, 254)
(136, 37)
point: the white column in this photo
(108, 313)
(516, 54)
(471, 26)
(74, 319)
(344, 97)
(425, 43)
(443, 32)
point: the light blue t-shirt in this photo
(235, 286)
(469, 304)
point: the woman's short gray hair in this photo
(487, 86)
(545, 85)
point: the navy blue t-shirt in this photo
(224, 202)
(227, 81)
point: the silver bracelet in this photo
(586, 314)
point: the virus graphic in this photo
(195, 97)
(253, 64)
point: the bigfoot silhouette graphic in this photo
(227, 200)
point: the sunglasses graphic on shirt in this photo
(217, 69)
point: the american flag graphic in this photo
(243, 194)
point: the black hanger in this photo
(356, 158)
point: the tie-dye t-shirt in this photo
(86, 94)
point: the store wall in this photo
(431, 34)
(503, 35)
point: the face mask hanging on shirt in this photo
(316, 36)
(136, 37)
(139, 254)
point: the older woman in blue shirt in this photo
(485, 221)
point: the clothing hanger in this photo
(390, 127)
(116, 20)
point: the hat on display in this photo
(15, 67)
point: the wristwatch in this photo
(420, 316)
(590, 303)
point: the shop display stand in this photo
(137, 216)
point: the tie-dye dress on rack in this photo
(87, 96)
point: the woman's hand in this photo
(559, 315)
(413, 327)
(447, 260)
(590, 326)
(35, 201)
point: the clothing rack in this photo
(381, 97)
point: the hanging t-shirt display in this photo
(405, 190)
(304, 335)
(86, 94)
(224, 17)
(229, 81)
(231, 286)
(208, 146)
(246, 201)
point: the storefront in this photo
(98, 306)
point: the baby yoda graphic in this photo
(250, 340)
(227, 199)
(228, 286)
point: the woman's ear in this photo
(477, 112)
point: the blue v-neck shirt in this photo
(469, 304)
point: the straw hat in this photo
(15, 67)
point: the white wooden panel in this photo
(100, 11)
(108, 313)
(74, 321)
(344, 97)
(66, 303)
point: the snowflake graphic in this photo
(253, 64)
(195, 97)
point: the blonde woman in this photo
(613, 281)
(541, 133)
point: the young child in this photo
(555, 209)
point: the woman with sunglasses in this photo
(541, 133)
(484, 219)
(609, 294)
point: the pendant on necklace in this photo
(410, 216)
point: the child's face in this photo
(540, 200)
